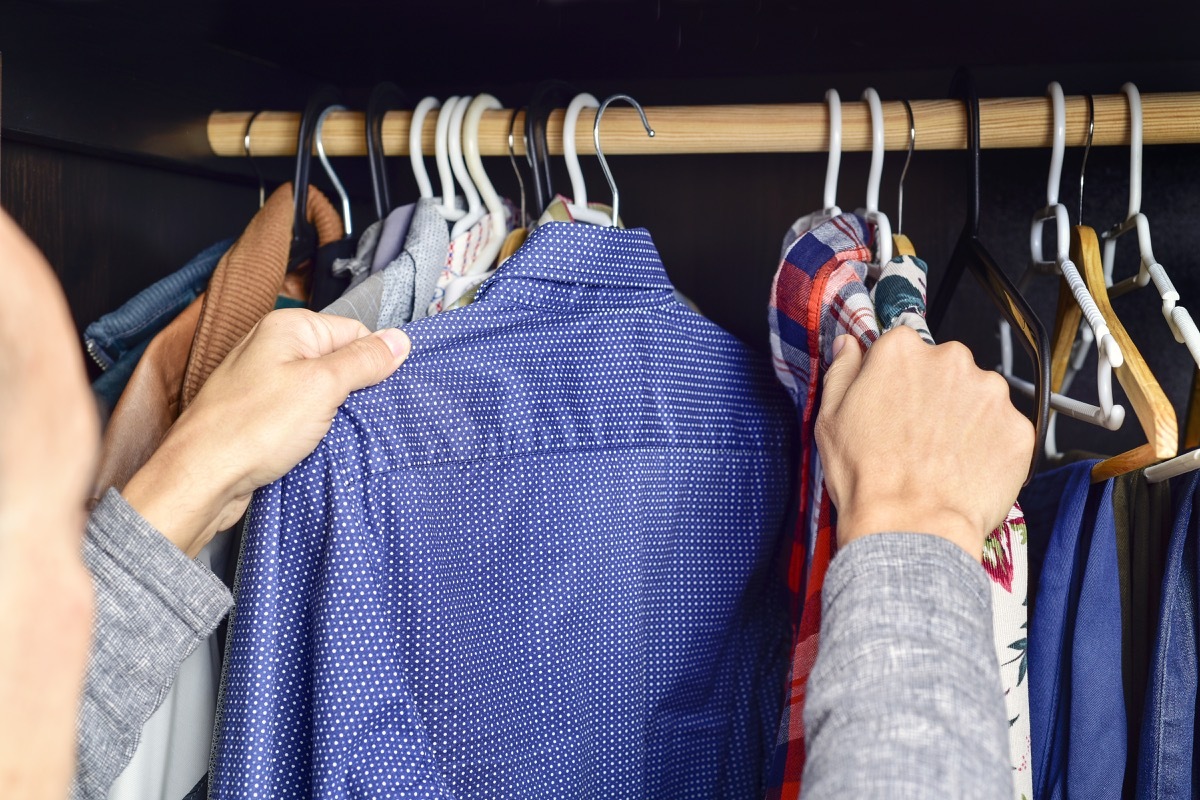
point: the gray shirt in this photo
(904, 700)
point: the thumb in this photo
(366, 361)
(847, 361)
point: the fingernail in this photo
(839, 343)
(397, 341)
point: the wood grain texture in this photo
(1169, 118)
(1154, 411)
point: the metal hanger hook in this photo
(1087, 148)
(612, 184)
(912, 144)
(337, 184)
(262, 186)
(512, 157)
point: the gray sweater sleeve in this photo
(905, 699)
(154, 605)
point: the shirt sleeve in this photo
(154, 605)
(905, 699)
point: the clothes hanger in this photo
(970, 253)
(441, 152)
(304, 233)
(415, 157)
(1073, 291)
(1154, 412)
(262, 186)
(902, 246)
(483, 260)
(579, 207)
(347, 225)
(612, 184)
(474, 162)
(546, 97)
(520, 232)
(512, 158)
(1149, 270)
(475, 209)
(830, 208)
(883, 226)
(384, 98)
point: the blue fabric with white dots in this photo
(539, 561)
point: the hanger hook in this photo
(262, 186)
(1135, 148)
(834, 101)
(875, 173)
(612, 184)
(912, 144)
(1058, 142)
(1087, 148)
(512, 157)
(337, 184)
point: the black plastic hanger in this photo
(970, 253)
(548, 96)
(304, 234)
(385, 97)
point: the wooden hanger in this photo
(1150, 404)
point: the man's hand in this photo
(263, 410)
(917, 438)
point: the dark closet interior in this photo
(106, 165)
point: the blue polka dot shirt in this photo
(539, 561)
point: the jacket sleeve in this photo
(905, 699)
(154, 605)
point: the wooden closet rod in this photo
(1172, 118)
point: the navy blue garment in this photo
(1099, 732)
(117, 340)
(1166, 760)
(536, 562)
(1057, 516)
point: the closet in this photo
(134, 136)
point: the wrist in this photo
(184, 491)
(883, 517)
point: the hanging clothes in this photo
(118, 339)
(463, 256)
(403, 289)
(818, 294)
(533, 562)
(1167, 761)
(1144, 517)
(243, 288)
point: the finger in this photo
(847, 361)
(367, 360)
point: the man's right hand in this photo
(917, 438)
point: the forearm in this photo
(905, 698)
(154, 605)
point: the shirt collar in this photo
(585, 255)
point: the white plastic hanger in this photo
(612, 184)
(491, 200)
(480, 268)
(1107, 414)
(441, 152)
(579, 207)
(415, 156)
(883, 226)
(333, 178)
(1180, 321)
(475, 210)
(830, 209)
